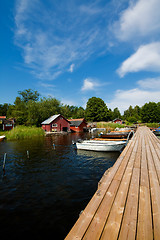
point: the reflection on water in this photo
(44, 194)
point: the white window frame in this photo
(54, 125)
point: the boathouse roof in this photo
(50, 119)
(76, 122)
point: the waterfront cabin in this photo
(6, 124)
(56, 123)
(117, 120)
(78, 125)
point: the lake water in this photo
(42, 196)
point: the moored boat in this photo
(100, 145)
(157, 131)
(1, 138)
(118, 135)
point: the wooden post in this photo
(4, 162)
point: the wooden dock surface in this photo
(126, 204)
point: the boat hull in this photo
(1, 138)
(101, 146)
(157, 133)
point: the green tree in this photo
(132, 119)
(33, 115)
(116, 113)
(137, 112)
(132, 114)
(96, 110)
(149, 113)
(48, 107)
(128, 113)
(66, 111)
(28, 95)
(80, 113)
(19, 111)
(3, 109)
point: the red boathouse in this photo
(78, 125)
(117, 120)
(56, 123)
(6, 124)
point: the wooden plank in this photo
(122, 167)
(144, 181)
(144, 227)
(155, 190)
(97, 224)
(129, 223)
(126, 204)
(155, 148)
(137, 162)
(113, 223)
(80, 227)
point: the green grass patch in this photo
(22, 132)
(152, 125)
(109, 126)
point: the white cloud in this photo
(92, 84)
(150, 83)
(146, 58)
(148, 90)
(52, 38)
(90, 9)
(68, 102)
(88, 84)
(71, 68)
(140, 19)
(124, 98)
(46, 85)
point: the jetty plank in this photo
(144, 227)
(129, 223)
(126, 204)
(155, 188)
(112, 226)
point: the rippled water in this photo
(42, 196)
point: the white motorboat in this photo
(104, 146)
(1, 138)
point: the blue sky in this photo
(74, 49)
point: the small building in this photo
(117, 120)
(78, 125)
(6, 124)
(56, 123)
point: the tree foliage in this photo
(29, 95)
(29, 110)
(150, 112)
(116, 113)
(96, 110)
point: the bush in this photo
(109, 126)
(22, 132)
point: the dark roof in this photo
(117, 119)
(76, 122)
(8, 121)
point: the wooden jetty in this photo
(126, 204)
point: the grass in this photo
(22, 132)
(109, 126)
(152, 125)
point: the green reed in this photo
(22, 132)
